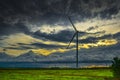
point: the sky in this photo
(41, 26)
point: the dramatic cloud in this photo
(63, 36)
(6, 29)
(41, 26)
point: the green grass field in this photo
(55, 74)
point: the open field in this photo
(55, 74)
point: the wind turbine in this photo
(75, 35)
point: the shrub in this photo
(116, 67)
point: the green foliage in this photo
(116, 67)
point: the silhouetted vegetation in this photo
(116, 67)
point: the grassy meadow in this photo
(55, 74)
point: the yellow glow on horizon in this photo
(104, 42)
(107, 42)
(85, 46)
(48, 51)
(26, 39)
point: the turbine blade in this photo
(71, 40)
(72, 23)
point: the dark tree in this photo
(116, 67)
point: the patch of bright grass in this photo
(57, 74)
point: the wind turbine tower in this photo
(75, 35)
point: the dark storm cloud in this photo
(62, 36)
(113, 47)
(88, 8)
(14, 12)
(92, 28)
(7, 29)
(111, 36)
(40, 10)
(19, 48)
(117, 35)
(89, 40)
(96, 27)
(22, 44)
(33, 46)
(66, 35)
(36, 45)
(40, 45)
(96, 39)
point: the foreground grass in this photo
(55, 74)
